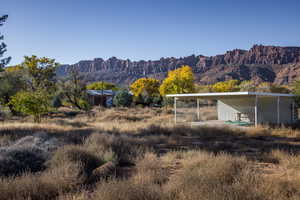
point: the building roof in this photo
(221, 94)
(100, 92)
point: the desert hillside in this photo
(280, 65)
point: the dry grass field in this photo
(139, 154)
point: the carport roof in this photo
(220, 94)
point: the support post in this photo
(255, 110)
(198, 109)
(175, 110)
(278, 110)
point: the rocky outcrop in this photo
(260, 63)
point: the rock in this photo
(260, 63)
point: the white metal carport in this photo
(274, 103)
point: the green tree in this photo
(270, 87)
(41, 73)
(73, 89)
(101, 85)
(3, 61)
(31, 103)
(38, 78)
(122, 98)
(178, 81)
(10, 84)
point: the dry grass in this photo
(138, 153)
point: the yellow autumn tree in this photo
(247, 86)
(145, 86)
(178, 81)
(226, 86)
(14, 68)
(102, 85)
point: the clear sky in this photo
(73, 30)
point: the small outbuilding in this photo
(249, 107)
(101, 97)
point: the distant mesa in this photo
(280, 65)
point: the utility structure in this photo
(101, 97)
(248, 107)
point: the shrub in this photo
(210, 177)
(10, 84)
(66, 178)
(119, 148)
(247, 86)
(150, 170)
(31, 103)
(84, 104)
(17, 161)
(78, 155)
(126, 190)
(123, 98)
(168, 102)
(56, 102)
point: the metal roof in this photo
(100, 92)
(220, 94)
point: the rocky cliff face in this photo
(261, 63)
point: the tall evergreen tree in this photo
(3, 61)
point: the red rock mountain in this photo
(280, 65)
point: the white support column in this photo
(278, 110)
(255, 110)
(175, 110)
(198, 109)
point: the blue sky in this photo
(73, 30)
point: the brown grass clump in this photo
(120, 149)
(74, 154)
(206, 176)
(45, 186)
(82, 195)
(150, 170)
(126, 190)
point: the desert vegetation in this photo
(138, 153)
(54, 144)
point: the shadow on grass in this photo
(73, 136)
(164, 139)
(254, 146)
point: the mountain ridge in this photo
(280, 65)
